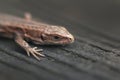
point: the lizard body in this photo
(24, 30)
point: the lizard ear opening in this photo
(43, 37)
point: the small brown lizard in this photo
(25, 30)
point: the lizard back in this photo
(13, 21)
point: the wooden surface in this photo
(95, 55)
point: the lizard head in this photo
(57, 35)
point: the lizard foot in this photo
(35, 52)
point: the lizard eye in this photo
(56, 37)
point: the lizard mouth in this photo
(64, 41)
(67, 40)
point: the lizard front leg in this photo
(34, 51)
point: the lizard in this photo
(25, 30)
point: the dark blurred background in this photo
(101, 14)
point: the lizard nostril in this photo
(71, 40)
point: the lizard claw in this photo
(35, 52)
